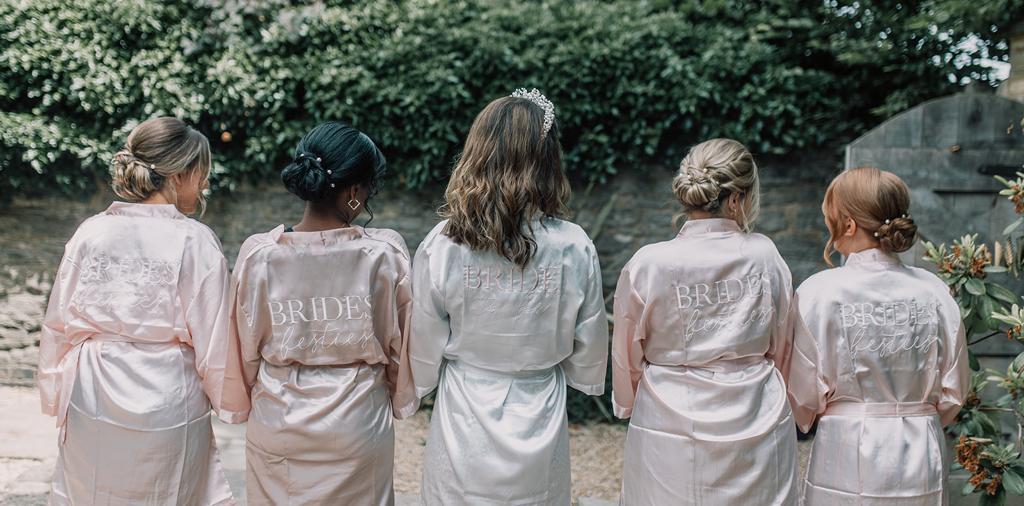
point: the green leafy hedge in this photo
(634, 82)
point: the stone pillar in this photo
(1013, 86)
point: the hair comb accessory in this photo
(535, 96)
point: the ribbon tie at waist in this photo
(531, 373)
(69, 369)
(721, 365)
(881, 409)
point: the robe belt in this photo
(69, 370)
(463, 366)
(881, 409)
(722, 365)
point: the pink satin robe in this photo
(882, 359)
(134, 351)
(500, 344)
(322, 319)
(703, 323)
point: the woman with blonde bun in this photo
(703, 327)
(135, 346)
(881, 357)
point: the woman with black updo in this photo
(321, 312)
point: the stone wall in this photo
(633, 210)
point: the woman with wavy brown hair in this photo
(507, 310)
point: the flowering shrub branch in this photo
(989, 309)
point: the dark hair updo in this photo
(330, 158)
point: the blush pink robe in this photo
(135, 350)
(500, 344)
(703, 323)
(882, 359)
(322, 319)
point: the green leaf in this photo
(968, 489)
(1013, 226)
(1002, 293)
(1013, 482)
(975, 286)
(993, 500)
(972, 360)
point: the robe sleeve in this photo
(430, 324)
(585, 369)
(404, 401)
(781, 347)
(807, 380)
(247, 319)
(627, 344)
(954, 368)
(207, 304)
(54, 343)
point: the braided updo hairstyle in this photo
(156, 150)
(877, 201)
(711, 172)
(330, 158)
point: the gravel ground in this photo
(28, 450)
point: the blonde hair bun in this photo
(712, 171)
(877, 201)
(155, 150)
(696, 188)
(898, 235)
(132, 180)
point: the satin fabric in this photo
(322, 320)
(135, 350)
(500, 344)
(703, 331)
(881, 356)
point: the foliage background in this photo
(634, 82)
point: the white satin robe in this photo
(703, 324)
(503, 342)
(322, 319)
(882, 359)
(134, 351)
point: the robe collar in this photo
(322, 237)
(144, 210)
(708, 226)
(873, 256)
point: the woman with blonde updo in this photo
(882, 358)
(703, 328)
(135, 345)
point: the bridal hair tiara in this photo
(534, 95)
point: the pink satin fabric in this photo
(880, 355)
(322, 320)
(135, 350)
(703, 325)
(500, 344)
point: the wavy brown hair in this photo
(508, 174)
